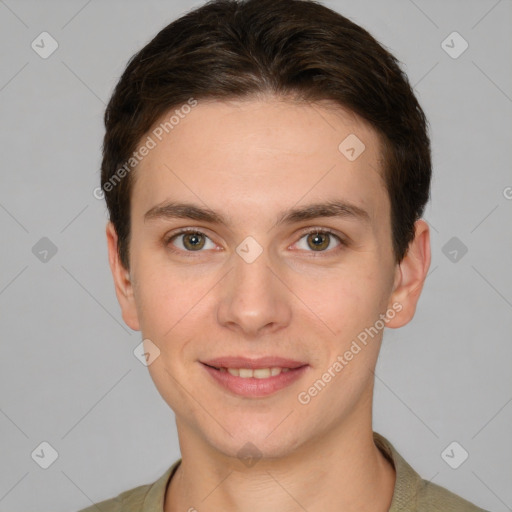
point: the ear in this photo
(410, 276)
(122, 281)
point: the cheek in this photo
(174, 307)
(155, 290)
(345, 300)
(161, 299)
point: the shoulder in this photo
(127, 501)
(434, 498)
(414, 494)
(143, 498)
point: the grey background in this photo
(68, 375)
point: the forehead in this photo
(254, 154)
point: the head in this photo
(289, 144)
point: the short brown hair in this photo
(232, 49)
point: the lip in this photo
(262, 362)
(253, 387)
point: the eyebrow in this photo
(336, 208)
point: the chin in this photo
(249, 440)
(251, 448)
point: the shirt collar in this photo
(404, 494)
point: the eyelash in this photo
(315, 254)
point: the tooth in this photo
(257, 373)
(262, 373)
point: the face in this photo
(258, 242)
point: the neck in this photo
(340, 470)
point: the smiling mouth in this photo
(264, 377)
(256, 373)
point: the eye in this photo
(319, 240)
(190, 241)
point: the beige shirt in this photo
(411, 493)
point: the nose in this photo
(253, 301)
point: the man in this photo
(266, 166)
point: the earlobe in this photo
(410, 277)
(122, 280)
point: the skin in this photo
(250, 160)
